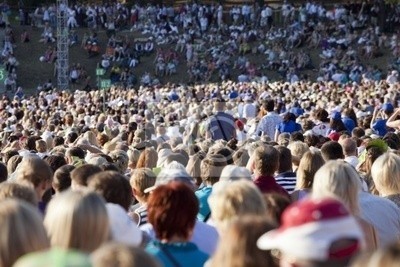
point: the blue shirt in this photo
(349, 124)
(204, 209)
(185, 254)
(380, 127)
(288, 127)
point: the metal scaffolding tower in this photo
(62, 45)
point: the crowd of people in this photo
(243, 43)
(230, 173)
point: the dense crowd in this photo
(233, 173)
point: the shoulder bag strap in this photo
(222, 129)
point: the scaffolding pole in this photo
(62, 45)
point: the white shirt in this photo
(383, 214)
(249, 111)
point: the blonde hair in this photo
(148, 158)
(22, 231)
(236, 249)
(18, 191)
(340, 180)
(388, 257)
(230, 200)
(298, 149)
(119, 255)
(41, 146)
(385, 172)
(310, 163)
(34, 170)
(142, 179)
(77, 220)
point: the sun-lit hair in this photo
(22, 231)
(385, 172)
(230, 200)
(18, 191)
(77, 220)
(116, 254)
(340, 180)
(309, 165)
(237, 247)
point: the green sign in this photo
(100, 72)
(2, 74)
(105, 84)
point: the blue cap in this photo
(233, 95)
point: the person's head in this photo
(265, 160)
(349, 147)
(141, 179)
(239, 249)
(18, 191)
(148, 158)
(193, 167)
(234, 173)
(211, 168)
(119, 255)
(386, 174)
(331, 151)
(285, 159)
(276, 205)
(55, 161)
(340, 180)
(121, 159)
(12, 163)
(113, 186)
(310, 163)
(269, 105)
(62, 178)
(315, 233)
(230, 200)
(241, 157)
(388, 256)
(77, 220)
(75, 156)
(3, 172)
(133, 155)
(41, 146)
(22, 231)
(81, 174)
(35, 171)
(297, 149)
(172, 209)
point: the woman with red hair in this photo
(172, 210)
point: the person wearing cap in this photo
(380, 118)
(172, 210)
(221, 125)
(315, 232)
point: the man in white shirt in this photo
(249, 108)
(350, 151)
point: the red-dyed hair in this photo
(172, 210)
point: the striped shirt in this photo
(287, 180)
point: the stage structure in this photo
(62, 45)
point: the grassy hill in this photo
(32, 72)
